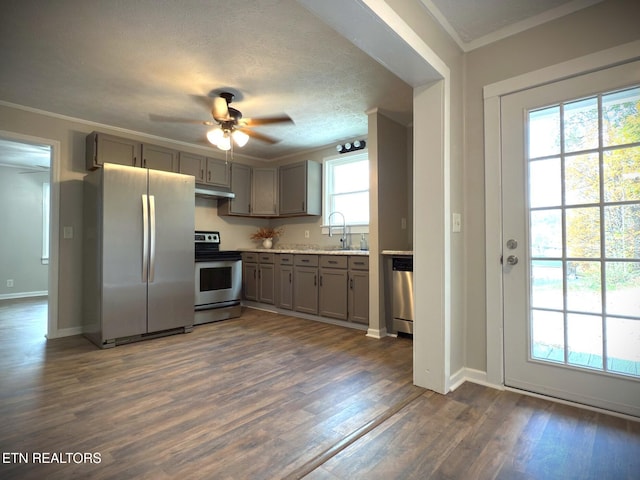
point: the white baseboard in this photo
(376, 333)
(65, 332)
(12, 296)
(473, 376)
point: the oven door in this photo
(218, 283)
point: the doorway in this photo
(26, 214)
(571, 255)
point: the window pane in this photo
(350, 177)
(546, 233)
(623, 345)
(583, 232)
(584, 340)
(544, 132)
(582, 179)
(623, 288)
(354, 207)
(545, 189)
(547, 335)
(581, 125)
(584, 287)
(622, 231)
(621, 117)
(622, 174)
(546, 284)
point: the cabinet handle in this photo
(289, 277)
(333, 262)
(351, 283)
(303, 205)
(209, 176)
(305, 260)
(315, 280)
(135, 161)
(255, 274)
(144, 163)
(359, 263)
(320, 280)
(201, 173)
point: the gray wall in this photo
(21, 232)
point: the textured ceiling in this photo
(117, 62)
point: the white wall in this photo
(21, 234)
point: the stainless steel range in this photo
(218, 279)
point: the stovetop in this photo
(207, 248)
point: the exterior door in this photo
(571, 239)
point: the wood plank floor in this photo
(270, 397)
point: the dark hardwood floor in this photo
(270, 397)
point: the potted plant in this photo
(266, 235)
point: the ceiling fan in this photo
(229, 124)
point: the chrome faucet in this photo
(343, 237)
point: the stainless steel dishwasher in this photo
(402, 286)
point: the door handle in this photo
(145, 236)
(512, 260)
(152, 234)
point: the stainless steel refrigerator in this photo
(138, 254)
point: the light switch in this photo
(67, 232)
(456, 223)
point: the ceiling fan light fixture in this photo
(240, 138)
(215, 135)
(225, 142)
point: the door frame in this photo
(493, 183)
(54, 221)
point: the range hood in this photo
(212, 192)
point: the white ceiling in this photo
(119, 62)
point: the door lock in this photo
(512, 244)
(512, 260)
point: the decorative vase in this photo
(267, 243)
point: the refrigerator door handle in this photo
(145, 236)
(152, 231)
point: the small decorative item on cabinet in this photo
(266, 235)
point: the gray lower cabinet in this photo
(359, 289)
(284, 281)
(258, 277)
(305, 284)
(334, 277)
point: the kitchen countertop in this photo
(397, 252)
(308, 251)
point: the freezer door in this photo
(124, 286)
(171, 286)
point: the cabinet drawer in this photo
(266, 257)
(250, 257)
(333, 261)
(285, 259)
(360, 262)
(306, 260)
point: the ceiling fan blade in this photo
(259, 136)
(220, 110)
(203, 100)
(163, 118)
(255, 121)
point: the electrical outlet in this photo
(10, 282)
(403, 223)
(306, 234)
(456, 223)
(67, 232)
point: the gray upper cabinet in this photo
(103, 148)
(301, 189)
(159, 158)
(264, 192)
(207, 171)
(241, 186)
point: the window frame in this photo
(327, 174)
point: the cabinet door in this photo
(241, 186)
(191, 164)
(293, 188)
(359, 296)
(159, 158)
(305, 290)
(333, 293)
(250, 281)
(103, 149)
(285, 287)
(264, 191)
(218, 172)
(266, 281)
